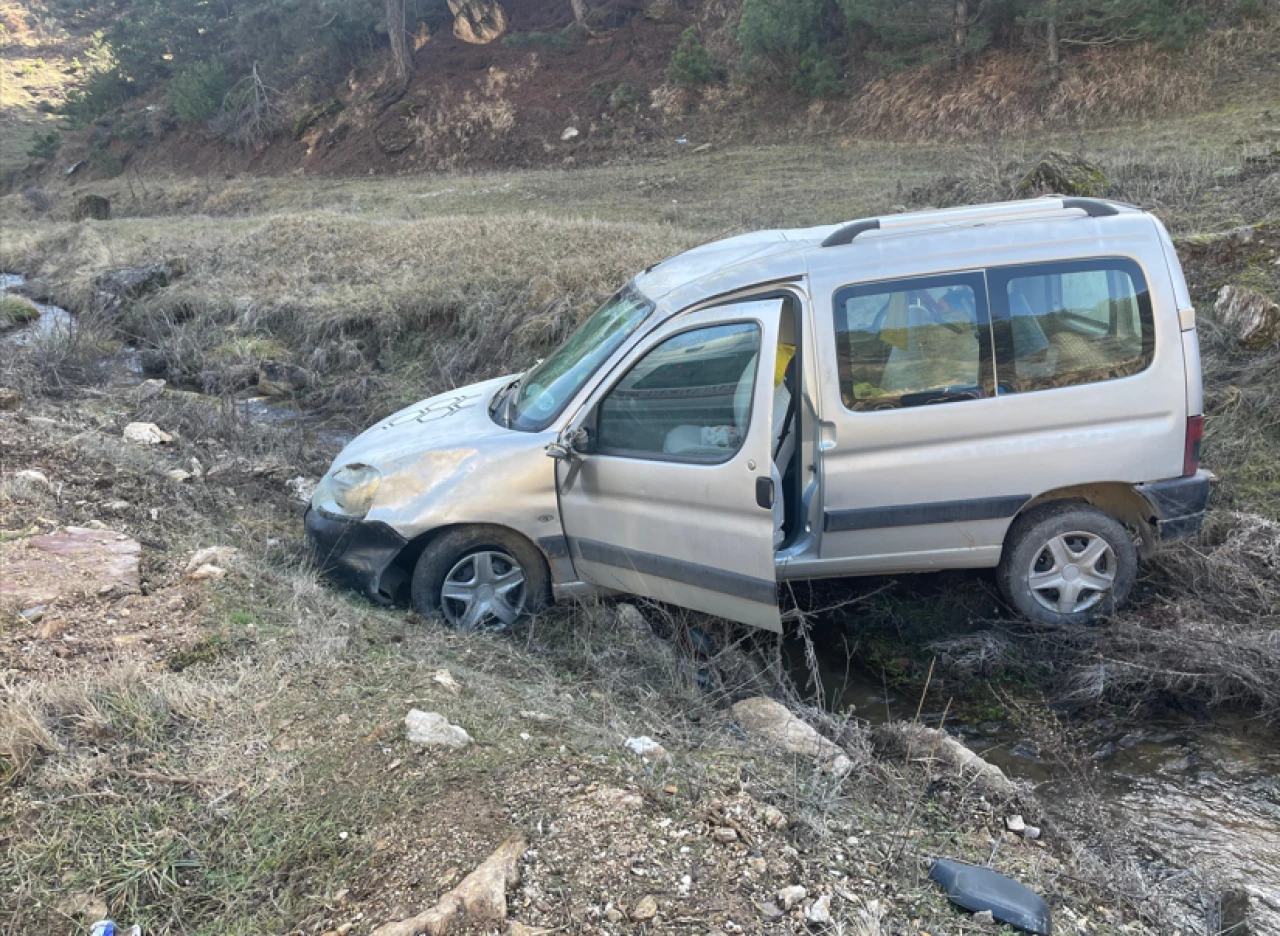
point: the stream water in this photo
(1200, 794)
(123, 371)
(52, 318)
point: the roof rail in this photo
(978, 214)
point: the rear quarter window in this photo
(1070, 323)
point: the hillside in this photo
(547, 91)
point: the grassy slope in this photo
(282, 725)
(38, 66)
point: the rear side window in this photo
(913, 342)
(1070, 323)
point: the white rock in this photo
(1253, 317)
(178, 474)
(34, 477)
(445, 678)
(116, 506)
(148, 390)
(434, 730)
(819, 911)
(630, 616)
(212, 555)
(1015, 824)
(645, 909)
(647, 748)
(770, 720)
(540, 717)
(984, 918)
(791, 896)
(207, 572)
(302, 488)
(724, 835)
(1031, 833)
(570, 133)
(141, 433)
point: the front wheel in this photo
(480, 578)
(1067, 564)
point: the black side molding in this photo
(847, 233)
(678, 570)
(556, 547)
(957, 511)
(1093, 207)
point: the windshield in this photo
(547, 389)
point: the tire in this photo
(452, 572)
(1054, 553)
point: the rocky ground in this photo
(219, 744)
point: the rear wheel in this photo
(1067, 564)
(480, 578)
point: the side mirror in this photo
(579, 441)
(571, 446)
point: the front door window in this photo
(688, 399)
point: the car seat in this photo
(713, 442)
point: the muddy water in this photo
(1199, 794)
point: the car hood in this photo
(455, 420)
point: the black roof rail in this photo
(846, 234)
(1093, 207)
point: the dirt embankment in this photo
(542, 96)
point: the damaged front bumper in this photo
(1178, 504)
(358, 553)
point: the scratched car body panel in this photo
(767, 408)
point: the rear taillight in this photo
(1191, 455)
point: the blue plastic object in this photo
(979, 889)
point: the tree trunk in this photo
(1051, 39)
(398, 33)
(961, 37)
(579, 9)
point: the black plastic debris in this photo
(979, 889)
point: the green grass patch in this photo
(15, 311)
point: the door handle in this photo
(764, 493)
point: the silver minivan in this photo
(1013, 385)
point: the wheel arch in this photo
(1117, 499)
(405, 561)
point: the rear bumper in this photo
(356, 552)
(1178, 505)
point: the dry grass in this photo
(1207, 629)
(1010, 95)
(389, 311)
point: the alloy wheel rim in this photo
(483, 587)
(1072, 572)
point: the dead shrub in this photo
(1007, 93)
(40, 201)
